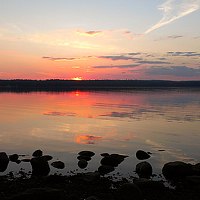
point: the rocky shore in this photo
(184, 177)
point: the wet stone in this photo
(142, 155)
(144, 169)
(58, 164)
(86, 153)
(82, 164)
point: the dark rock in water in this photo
(193, 180)
(86, 153)
(37, 153)
(82, 163)
(40, 167)
(14, 157)
(105, 169)
(196, 169)
(105, 154)
(47, 157)
(177, 169)
(18, 161)
(39, 193)
(58, 164)
(113, 160)
(129, 191)
(26, 160)
(144, 169)
(142, 155)
(4, 160)
(87, 158)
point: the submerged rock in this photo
(177, 169)
(82, 163)
(129, 191)
(4, 160)
(14, 157)
(40, 167)
(86, 153)
(58, 164)
(144, 169)
(142, 155)
(37, 153)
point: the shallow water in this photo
(62, 124)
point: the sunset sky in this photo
(100, 39)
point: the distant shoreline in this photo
(71, 85)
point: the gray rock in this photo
(129, 191)
(58, 164)
(177, 169)
(4, 160)
(144, 169)
(142, 155)
(82, 163)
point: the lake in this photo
(163, 122)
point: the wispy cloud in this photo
(173, 10)
(116, 66)
(184, 53)
(119, 57)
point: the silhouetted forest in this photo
(66, 85)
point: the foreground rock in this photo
(177, 169)
(4, 160)
(142, 155)
(129, 191)
(82, 163)
(113, 160)
(144, 169)
(14, 157)
(40, 167)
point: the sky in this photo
(100, 39)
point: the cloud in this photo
(184, 53)
(119, 57)
(174, 36)
(153, 62)
(59, 114)
(89, 33)
(116, 66)
(59, 59)
(179, 71)
(173, 10)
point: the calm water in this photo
(62, 124)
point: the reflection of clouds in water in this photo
(56, 113)
(87, 139)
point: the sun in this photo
(77, 79)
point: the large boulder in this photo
(40, 167)
(177, 169)
(129, 191)
(4, 160)
(142, 155)
(144, 169)
(105, 169)
(14, 157)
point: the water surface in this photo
(62, 124)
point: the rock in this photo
(37, 153)
(91, 176)
(3, 161)
(112, 160)
(105, 169)
(40, 167)
(86, 153)
(129, 191)
(26, 160)
(194, 180)
(142, 155)
(177, 169)
(82, 164)
(105, 154)
(58, 164)
(144, 183)
(87, 158)
(196, 169)
(14, 157)
(47, 157)
(144, 169)
(39, 193)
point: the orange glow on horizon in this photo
(77, 78)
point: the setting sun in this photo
(77, 78)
